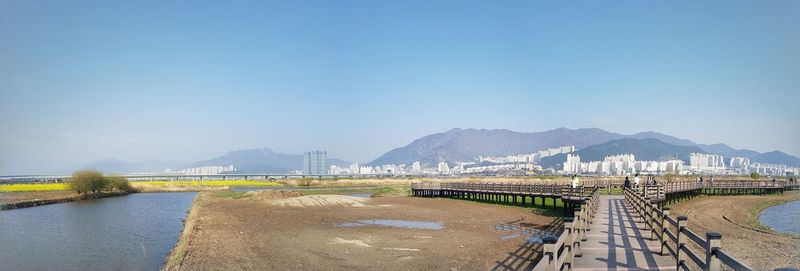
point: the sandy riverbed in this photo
(736, 217)
(252, 232)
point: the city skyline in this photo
(85, 81)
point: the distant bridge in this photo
(182, 177)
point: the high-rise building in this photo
(415, 167)
(315, 162)
(444, 168)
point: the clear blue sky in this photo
(188, 80)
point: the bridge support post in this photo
(572, 242)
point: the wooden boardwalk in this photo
(616, 240)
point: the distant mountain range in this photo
(466, 144)
(263, 160)
(120, 166)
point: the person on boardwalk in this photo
(636, 181)
(627, 184)
(575, 181)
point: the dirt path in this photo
(253, 234)
(736, 218)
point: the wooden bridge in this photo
(633, 231)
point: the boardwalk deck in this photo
(617, 241)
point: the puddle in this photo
(528, 231)
(360, 195)
(408, 224)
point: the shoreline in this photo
(743, 234)
(178, 252)
(40, 202)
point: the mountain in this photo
(648, 149)
(773, 157)
(467, 144)
(263, 160)
(120, 166)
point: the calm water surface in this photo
(783, 218)
(134, 232)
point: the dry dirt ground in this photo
(252, 233)
(735, 218)
(13, 197)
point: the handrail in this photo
(561, 251)
(677, 242)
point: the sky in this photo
(82, 81)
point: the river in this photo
(133, 232)
(783, 218)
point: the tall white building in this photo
(415, 167)
(702, 161)
(573, 164)
(444, 168)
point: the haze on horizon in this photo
(82, 81)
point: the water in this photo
(783, 218)
(134, 232)
(408, 224)
(361, 195)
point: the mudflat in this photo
(736, 217)
(251, 232)
(15, 197)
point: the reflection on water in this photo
(134, 232)
(783, 218)
(361, 195)
(408, 224)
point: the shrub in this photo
(755, 175)
(86, 181)
(119, 183)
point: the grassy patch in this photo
(33, 187)
(232, 195)
(543, 206)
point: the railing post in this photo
(664, 227)
(551, 252)
(713, 244)
(678, 244)
(572, 241)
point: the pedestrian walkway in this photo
(617, 241)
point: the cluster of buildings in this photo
(623, 164)
(203, 170)
(715, 164)
(532, 158)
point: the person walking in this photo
(636, 181)
(627, 184)
(575, 181)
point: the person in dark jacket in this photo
(627, 183)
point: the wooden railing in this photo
(560, 251)
(677, 240)
(508, 188)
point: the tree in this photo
(119, 183)
(86, 181)
(755, 175)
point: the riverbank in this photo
(16, 200)
(279, 230)
(736, 217)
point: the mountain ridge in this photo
(465, 144)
